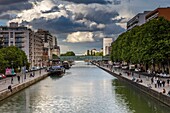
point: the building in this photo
(159, 12)
(137, 20)
(23, 38)
(56, 48)
(15, 35)
(36, 50)
(47, 45)
(107, 46)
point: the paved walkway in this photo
(4, 83)
(146, 80)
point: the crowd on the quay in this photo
(156, 81)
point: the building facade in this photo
(137, 20)
(107, 46)
(36, 50)
(15, 35)
(159, 12)
(47, 39)
(23, 38)
(56, 48)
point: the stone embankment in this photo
(145, 86)
(17, 86)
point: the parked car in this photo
(2, 76)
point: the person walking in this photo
(12, 80)
(168, 81)
(18, 77)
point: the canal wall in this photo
(155, 94)
(7, 93)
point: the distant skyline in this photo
(79, 25)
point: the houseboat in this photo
(56, 71)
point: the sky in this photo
(79, 25)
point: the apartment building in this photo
(107, 46)
(15, 35)
(56, 48)
(23, 38)
(159, 12)
(137, 20)
(36, 50)
(47, 39)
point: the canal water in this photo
(83, 89)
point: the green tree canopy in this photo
(12, 56)
(69, 53)
(145, 43)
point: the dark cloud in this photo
(8, 2)
(54, 9)
(60, 25)
(98, 16)
(15, 7)
(89, 1)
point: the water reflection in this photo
(83, 89)
(137, 101)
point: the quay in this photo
(145, 86)
(16, 86)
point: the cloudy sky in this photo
(78, 24)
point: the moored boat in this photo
(57, 70)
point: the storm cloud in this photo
(8, 2)
(89, 1)
(76, 22)
(14, 5)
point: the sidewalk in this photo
(4, 83)
(146, 80)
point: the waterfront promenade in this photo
(146, 80)
(24, 78)
(159, 93)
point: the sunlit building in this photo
(159, 12)
(137, 20)
(23, 38)
(107, 46)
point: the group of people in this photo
(158, 82)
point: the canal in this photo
(83, 89)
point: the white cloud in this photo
(80, 37)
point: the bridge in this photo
(84, 58)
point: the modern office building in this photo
(107, 46)
(137, 20)
(159, 12)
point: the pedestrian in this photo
(163, 83)
(152, 80)
(40, 72)
(12, 80)
(18, 77)
(10, 88)
(139, 75)
(164, 91)
(155, 82)
(168, 93)
(168, 82)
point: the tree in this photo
(69, 53)
(147, 44)
(12, 57)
